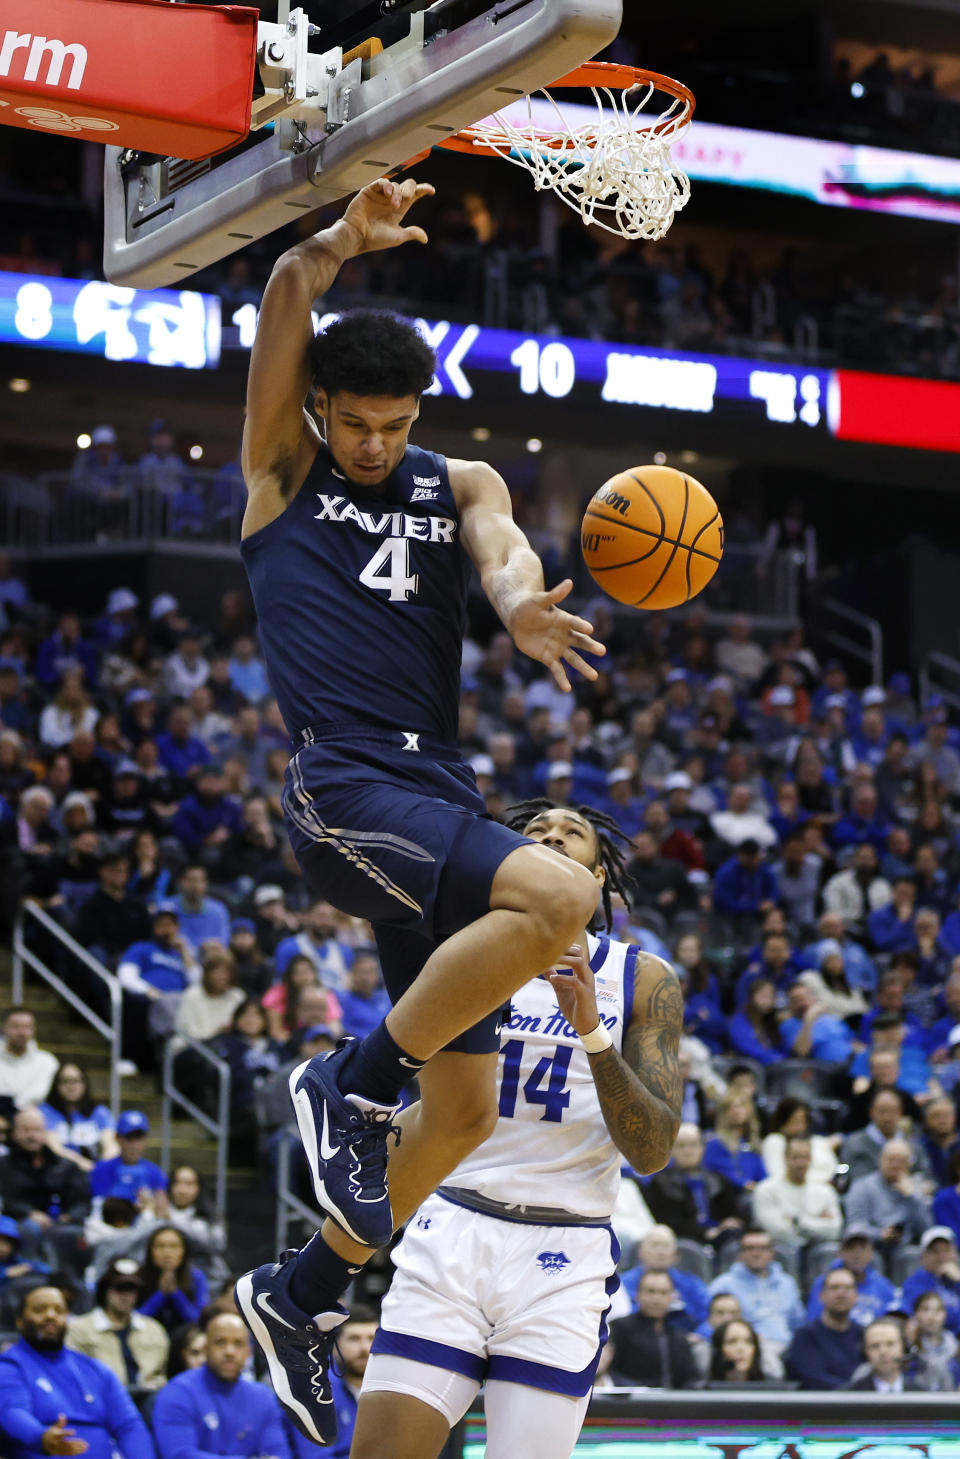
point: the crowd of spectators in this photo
(792, 846)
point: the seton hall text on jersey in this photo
(385, 524)
(554, 1027)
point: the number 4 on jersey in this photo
(393, 554)
(554, 1098)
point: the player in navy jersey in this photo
(359, 548)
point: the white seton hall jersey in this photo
(550, 1146)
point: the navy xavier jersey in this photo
(361, 598)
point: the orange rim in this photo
(591, 73)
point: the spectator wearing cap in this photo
(212, 1410)
(825, 1352)
(677, 789)
(134, 1347)
(859, 889)
(777, 728)
(162, 964)
(167, 623)
(206, 1009)
(58, 1402)
(65, 649)
(934, 747)
(47, 1195)
(364, 1002)
(202, 918)
(98, 469)
(876, 1294)
(26, 1071)
(207, 818)
(179, 751)
(111, 919)
(140, 716)
(939, 1271)
(119, 618)
(127, 809)
(834, 685)
(161, 469)
(254, 969)
(743, 887)
(130, 1174)
(622, 801)
(858, 967)
(273, 920)
(15, 1269)
(889, 1201)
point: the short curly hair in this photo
(371, 352)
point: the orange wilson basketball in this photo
(652, 537)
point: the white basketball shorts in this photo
(500, 1299)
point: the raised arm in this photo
(640, 1090)
(279, 437)
(512, 577)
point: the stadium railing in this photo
(941, 675)
(32, 924)
(217, 1125)
(867, 648)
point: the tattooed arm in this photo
(641, 1089)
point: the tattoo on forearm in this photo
(641, 1089)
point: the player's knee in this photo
(464, 1120)
(565, 904)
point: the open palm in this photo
(552, 636)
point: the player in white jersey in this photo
(505, 1275)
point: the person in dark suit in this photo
(697, 1204)
(646, 1350)
(885, 1351)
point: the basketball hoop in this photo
(612, 164)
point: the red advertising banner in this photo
(173, 79)
(893, 410)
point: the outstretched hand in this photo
(377, 212)
(554, 637)
(58, 1439)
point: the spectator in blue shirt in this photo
(864, 822)
(946, 1202)
(247, 673)
(743, 887)
(174, 1290)
(889, 1032)
(77, 1126)
(147, 970)
(939, 1271)
(778, 962)
(733, 1150)
(858, 967)
(825, 1352)
(658, 1253)
(63, 650)
(754, 1029)
(202, 918)
(128, 1173)
(810, 1032)
(769, 1297)
(940, 1140)
(207, 818)
(54, 1401)
(181, 752)
(213, 1409)
(890, 928)
(364, 1003)
(876, 1294)
(318, 941)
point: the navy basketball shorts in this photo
(389, 826)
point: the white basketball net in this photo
(615, 170)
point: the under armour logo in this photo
(411, 741)
(423, 1222)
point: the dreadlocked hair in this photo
(610, 855)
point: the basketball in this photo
(652, 537)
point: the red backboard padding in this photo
(173, 79)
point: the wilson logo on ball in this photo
(652, 537)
